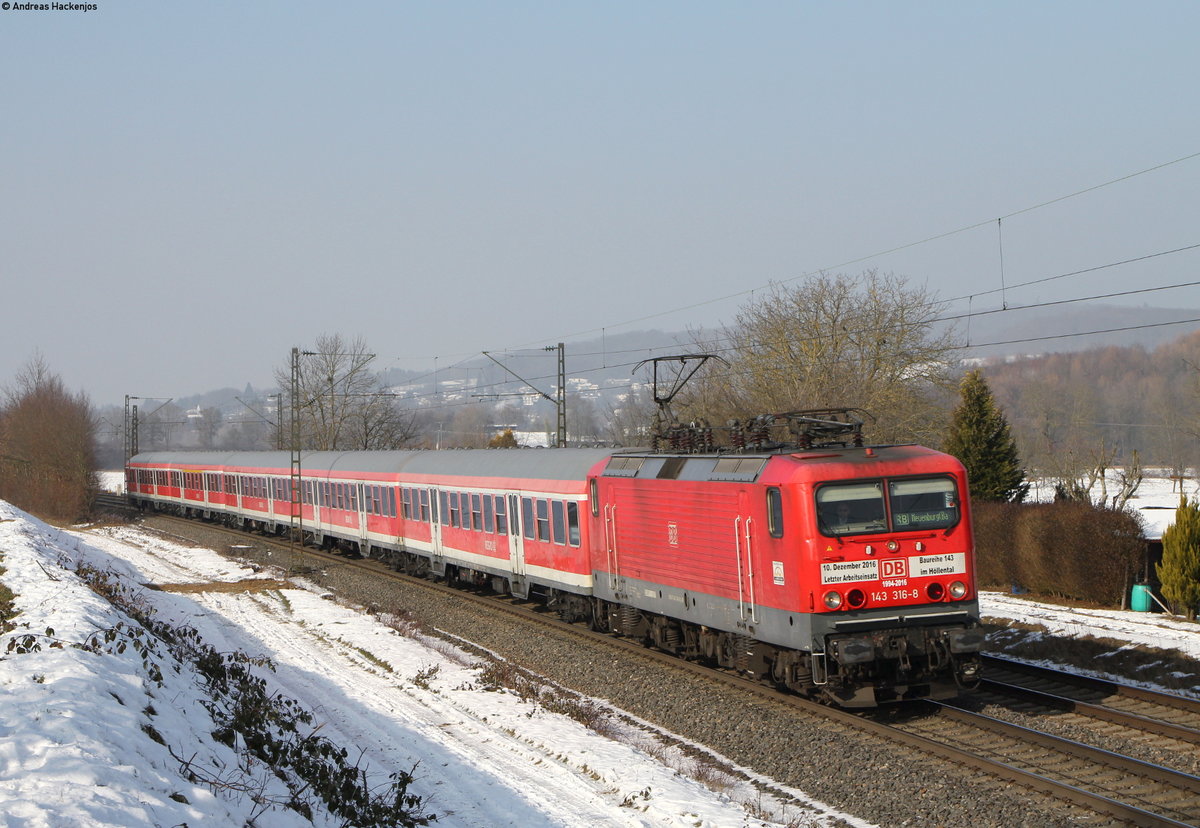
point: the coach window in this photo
(573, 524)
(424, 501)
(406, 503)
(543, 520)
(557, 522)
(391, 502)
(454, 519)
(476, 513)
(775, 512)
(501, 516)
(489, 523)
(527, 516)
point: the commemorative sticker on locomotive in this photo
(952, 563)
(845, 572)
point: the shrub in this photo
(1064, 549)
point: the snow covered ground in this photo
(75, 750)
(1150, 629)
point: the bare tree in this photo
(340, 402)
(47, 445)
(870, 341)
(630, 419)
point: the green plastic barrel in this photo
(1139, 599)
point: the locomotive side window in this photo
(775, 512)
(931, 503)
(851, 508)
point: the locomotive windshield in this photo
(899, 505)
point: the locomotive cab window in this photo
(851, 508)
(905, 505)
(930, 503)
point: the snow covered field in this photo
(73, 749)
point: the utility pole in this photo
(297, 508)
(561, 403)
(132, 424)
(559, 399)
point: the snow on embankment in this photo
(75, 725)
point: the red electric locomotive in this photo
(841, 571)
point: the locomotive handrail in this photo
(750, 571)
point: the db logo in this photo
(894, 568)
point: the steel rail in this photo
(1102, 686)
(1101, 712)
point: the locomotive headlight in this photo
(957, 590)
(833, 600)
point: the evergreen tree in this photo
(979, 436)
(1179, 571)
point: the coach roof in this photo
(538, 464)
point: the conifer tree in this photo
(1179, 571)
(979, 436)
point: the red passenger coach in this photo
(842, 572)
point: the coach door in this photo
(435, 532)
(743, 545)
(516, 540)
(364, 545)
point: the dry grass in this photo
(245, 585)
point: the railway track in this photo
(1132, 790)
(1147, 711)
(113, 504)
(1121, 788)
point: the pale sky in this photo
(190, 189)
